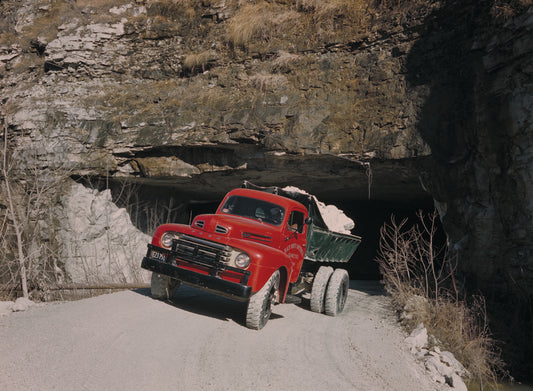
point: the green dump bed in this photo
(323, 245)
(328, 246)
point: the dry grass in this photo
(175, 9)
(47, 23)
(303, 23)
(260, 21)
(420, 277)
(195, 62)
(461, 328)
(284, 61)
(101, 3)
(329, 9)
(267, 82)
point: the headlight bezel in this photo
(242, 260)
(167, 238)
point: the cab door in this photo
(294, 232)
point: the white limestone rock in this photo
(449, 359)
(456, 382)
(22, 304)
(418, 339)
(99, 242)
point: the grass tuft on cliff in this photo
(299, 25)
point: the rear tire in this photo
(260, 304)
(318, 290)
(337, 292)
(163, 287)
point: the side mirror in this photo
(308, 220)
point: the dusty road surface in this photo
(197, 341)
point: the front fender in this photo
(156, 237)
(265, 261)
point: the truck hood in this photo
(237, 227)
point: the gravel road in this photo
(197, 341)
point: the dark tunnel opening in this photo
(150, 205)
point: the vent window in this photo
(296, 222)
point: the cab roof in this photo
(285, 202)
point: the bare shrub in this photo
(410, 260)
(147, 214)
(420, 277)
(30, 257)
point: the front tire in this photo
(163, 287)
(318, 290)
(260, 304)
(337, 292)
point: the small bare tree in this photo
(29, 193)
(14, 217)
(412, 262)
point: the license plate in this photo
(159, 256)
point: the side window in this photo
(296, 222)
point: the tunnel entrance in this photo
(396, 191)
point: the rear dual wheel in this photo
(336, 293)
(329, 291)
(318, 290)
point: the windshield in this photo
(253, 208)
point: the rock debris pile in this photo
(442, 366)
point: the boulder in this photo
(99, 243)
(417, 339)
(22, 304)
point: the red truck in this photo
(261, 245)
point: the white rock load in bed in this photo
(334, 218)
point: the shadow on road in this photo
(370, 287)
(207, 304)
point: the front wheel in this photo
(163, 287)
(337, 292)
(260, 304)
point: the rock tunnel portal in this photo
(368, 193)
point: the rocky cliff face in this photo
(343, 100)
(477, 121)
(171, 90)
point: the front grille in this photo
(200, 251)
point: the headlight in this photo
(166, 239)
(242, 260)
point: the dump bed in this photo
(323, 245)
(328, 246)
